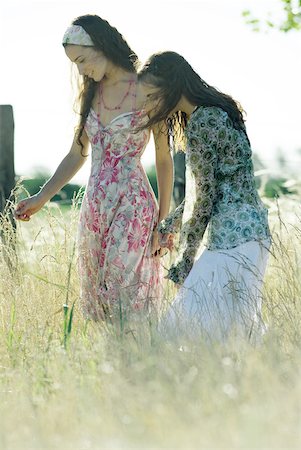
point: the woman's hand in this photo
(166, 277)
(27, 207)
(166, 240)
(155, 243)
(156, 249)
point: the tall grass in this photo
(66, 383)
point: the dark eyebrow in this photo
(78, 58)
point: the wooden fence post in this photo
(7, 184)
(7, 168)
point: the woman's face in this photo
(149, 89)
(90, 62)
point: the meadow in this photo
(67, 383)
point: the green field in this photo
(66, 383)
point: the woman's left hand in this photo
(166, 277)
(156, 250)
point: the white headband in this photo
(78, 36)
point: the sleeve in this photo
(202, 159)
(172, 223)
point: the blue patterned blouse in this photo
(220, 191)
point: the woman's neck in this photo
(115, 75)
(185, 106)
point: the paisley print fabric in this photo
(118, 214)
(221, 194)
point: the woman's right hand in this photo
(27, 207)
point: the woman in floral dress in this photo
(119, 263)
(220, 290)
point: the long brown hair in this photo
(112, 44)
(174, 78)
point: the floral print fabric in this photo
(221, 194)
(118, 214)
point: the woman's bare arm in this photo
(69, 166)
(164, 168)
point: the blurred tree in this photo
(179, 178)
(291, 19)
(32, 186)
(277, 186)
(271, 184)
(257, 163)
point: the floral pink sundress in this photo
(118, 214)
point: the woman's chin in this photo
(97, 79)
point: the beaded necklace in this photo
(117, 107)
(101, 102)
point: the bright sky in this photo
(262, 71)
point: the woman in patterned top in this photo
(220, 288)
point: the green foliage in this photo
(270, 184)
(69, 191)
(179, 178)
(67, 324)
(33, 185)
(291, 18)
(151, 174)
(277, 186)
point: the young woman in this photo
(220, 289)
(118, 242)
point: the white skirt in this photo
(221, 297)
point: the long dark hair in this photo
(174, 78)
(112, 44)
